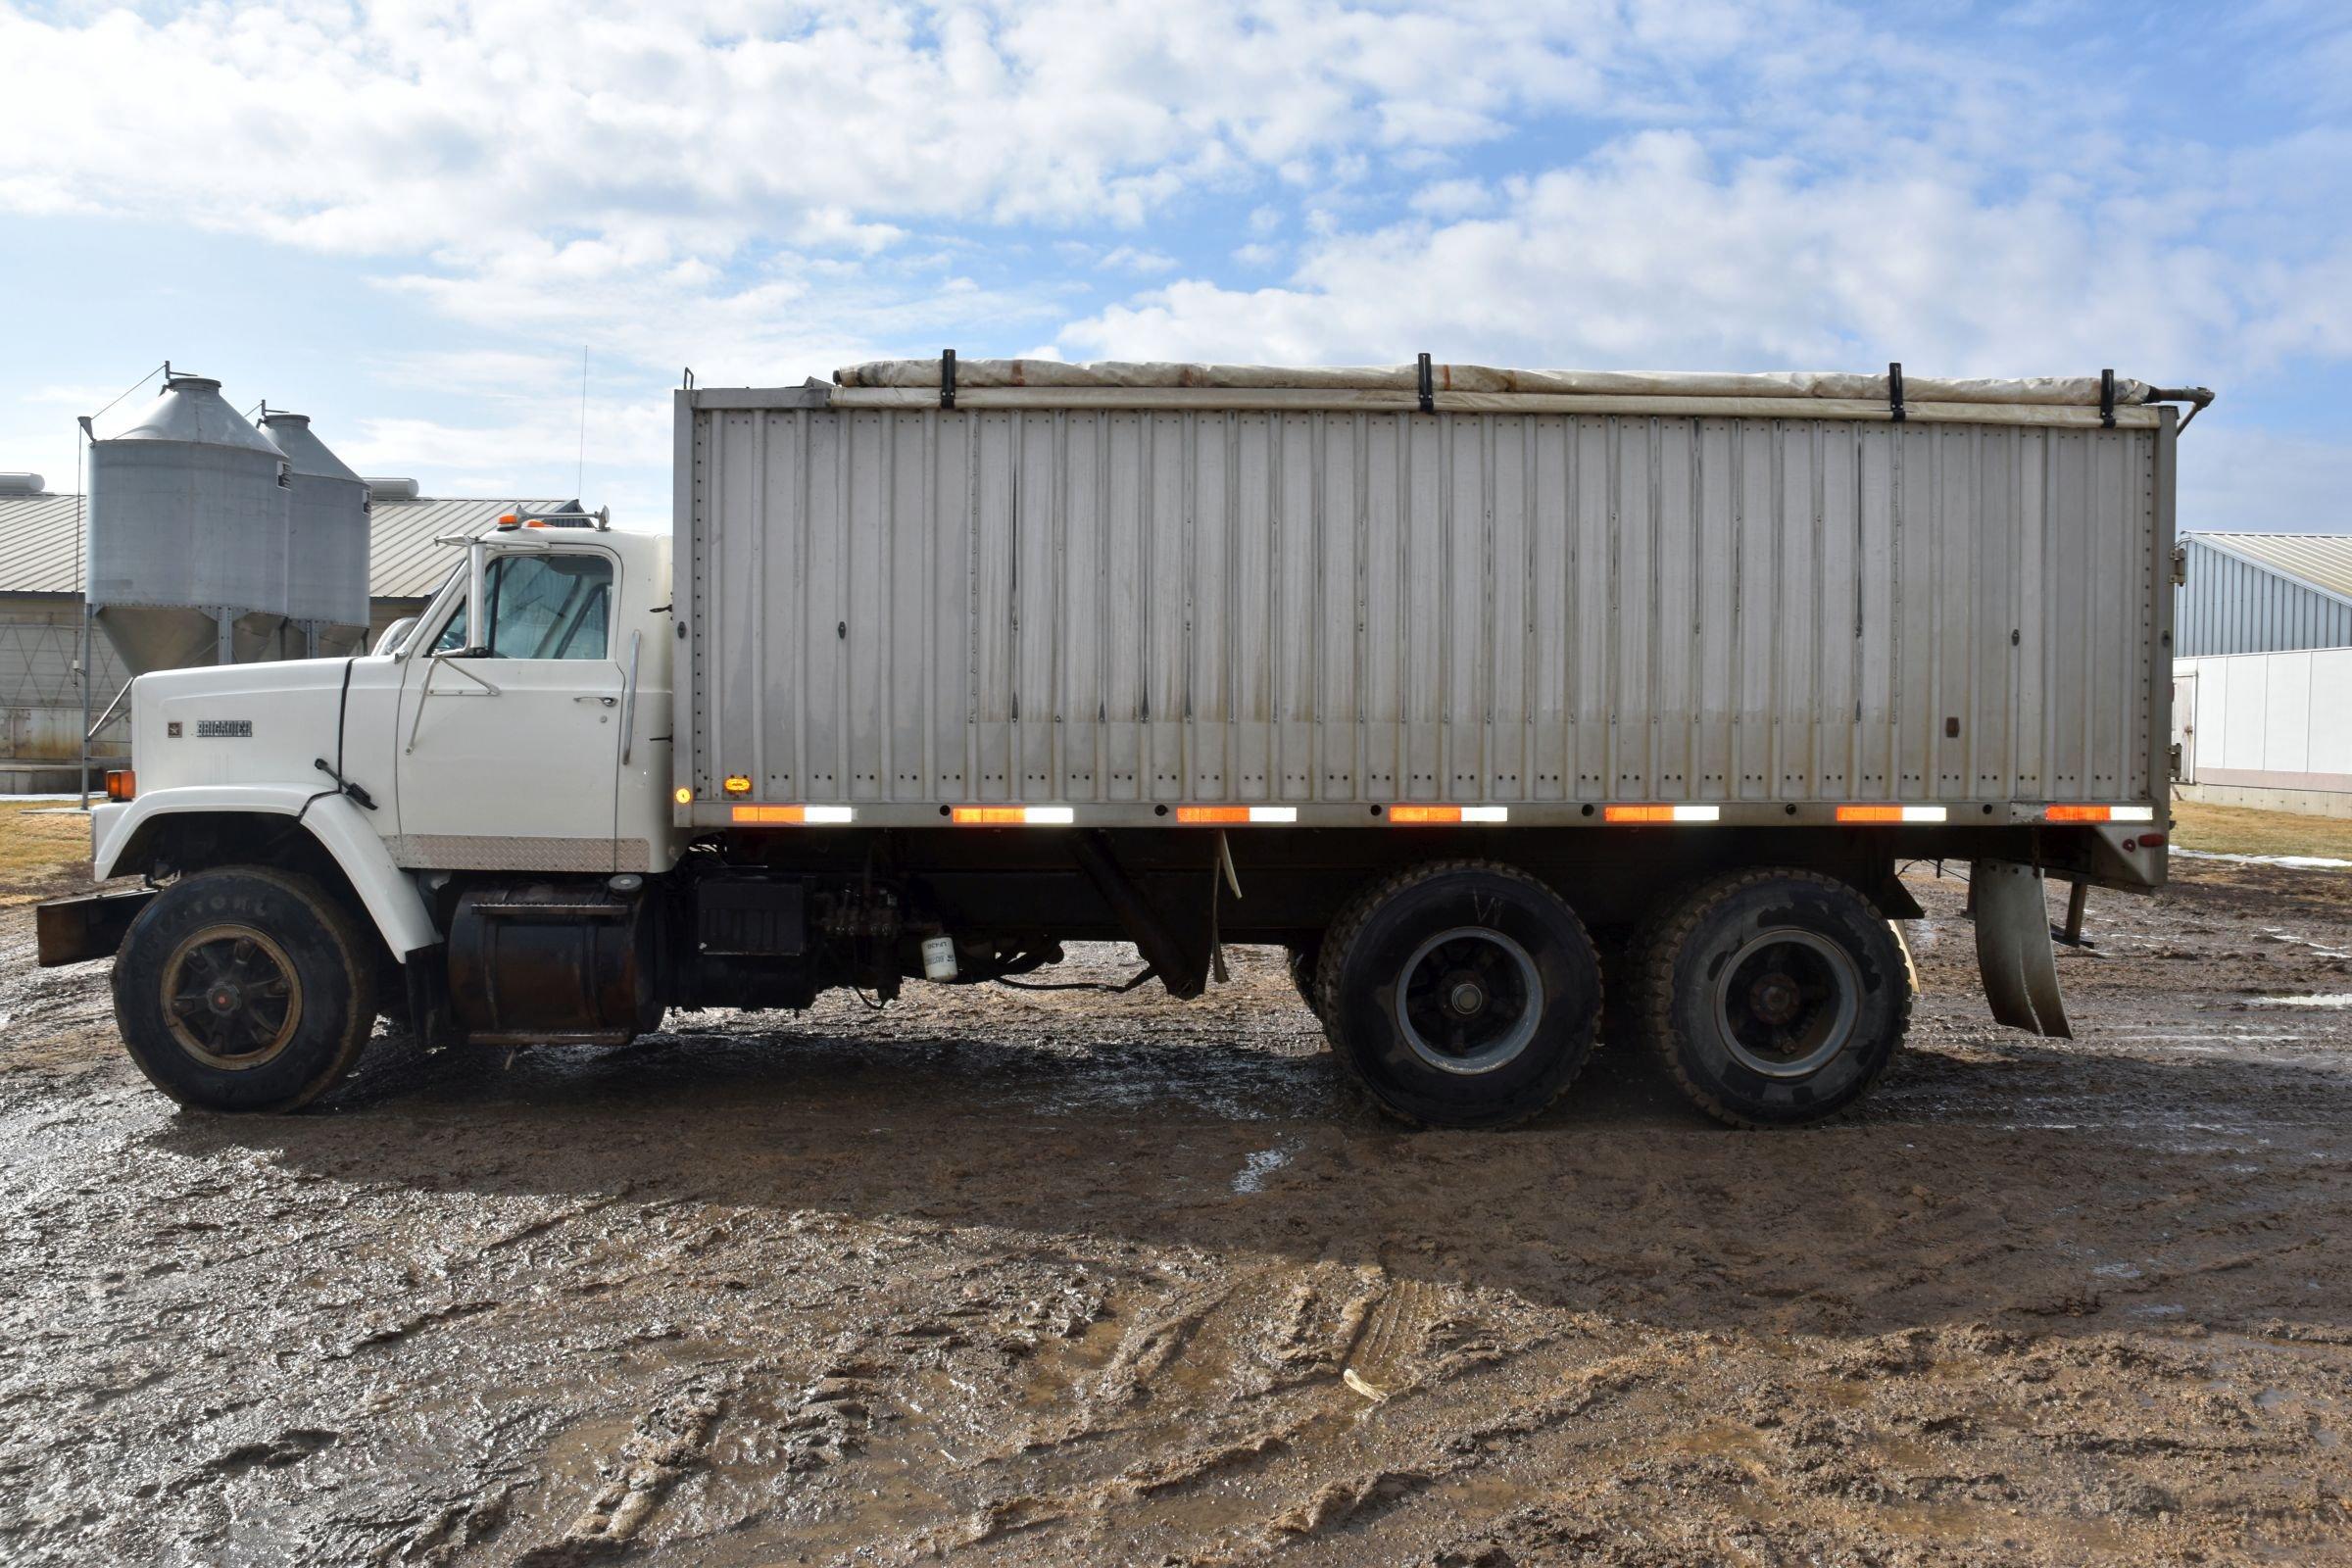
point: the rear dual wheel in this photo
(1775, 997)
(1461, 993)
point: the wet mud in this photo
(1017, 1278)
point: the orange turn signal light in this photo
(738, 784)
(122, 784)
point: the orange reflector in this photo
(1013, 815)
(1233, 815)
(122, 784)
(795, 815)
(737, 784)
(2098, 814)
(1890, 814)
(1414, 815)
(1661, 813)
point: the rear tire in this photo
(1776, 998)
(1461, 993)
(1305, 958)
(244, 989)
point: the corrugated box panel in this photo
(1084, 605)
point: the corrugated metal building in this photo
(2264, 593)
(41, 569)
(2262, 673)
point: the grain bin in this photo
(326, 537)
(188, 518)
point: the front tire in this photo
(1461, 993)
(244, 989)
(1776, 998)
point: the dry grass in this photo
(2240, 830)
(38, 843)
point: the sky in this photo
(419, 221)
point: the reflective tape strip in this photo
(1013, 815)
(1431, 815)
(1235, 815)
(795, 815)
(1661, 813)
(2098, 814)
(1890, 814)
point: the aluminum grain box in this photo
(911, 606)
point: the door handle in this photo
(608, 701)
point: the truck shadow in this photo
(2076, 1189)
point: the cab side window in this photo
(542, 607)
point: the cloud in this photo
(1131, 259)
(1658, 252)
(1452, 198)
(2232, 476)
(433, 124)
(765, 188)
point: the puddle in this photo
(1256, 1168)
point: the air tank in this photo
(188, 520)
(327, 536)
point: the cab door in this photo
(509, 736)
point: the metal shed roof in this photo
(2320, 560)
(40, 544)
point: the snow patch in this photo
(2300, 862)
(2341, 999)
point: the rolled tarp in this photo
(976, 375)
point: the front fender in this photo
(388, 893)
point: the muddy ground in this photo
(1077, 1279)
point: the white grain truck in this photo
(1482, 692)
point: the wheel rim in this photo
(231, 996)
(1468, 1000)
(1786, 1002)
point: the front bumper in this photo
(78, 930)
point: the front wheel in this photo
(244, 989)
(1463, 993)
(1776, 998)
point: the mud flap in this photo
(2020, 968)
(1902, 944)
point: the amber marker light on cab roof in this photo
(2098, 814)
(1661, 813)
(795, 815)
(1013, 815)
(1235, 815)
(1890, 814)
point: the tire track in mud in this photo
(958, 1280)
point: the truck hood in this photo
(236, 723)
